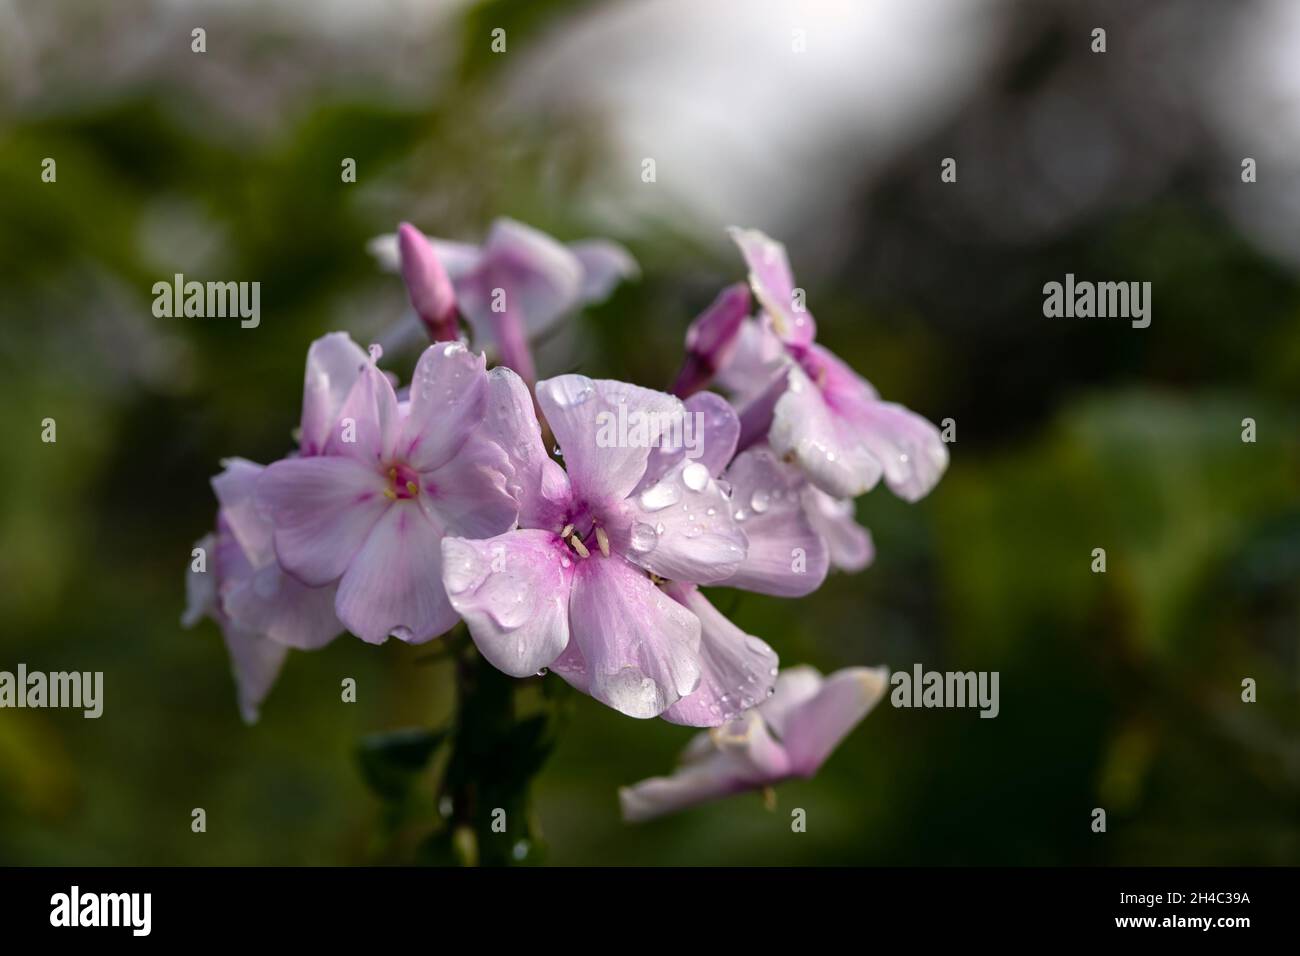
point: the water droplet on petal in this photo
(660, 496)
(695, 476)
(759, 501)
(643, 538)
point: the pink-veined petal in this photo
(394, 584)
(513, 592)
(369, 422)
(639, 646)
(322, 509)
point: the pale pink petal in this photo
(394, 584)
(540, 279)
(606, 430)
(640, 647)
(234, 489)
(755, 359)
(513, 592)
(458, 258)
(848, 543)
(773, 284)
(794, 687)
(448, 396)
(605, 264)
(762, 758)
(571, 665)
(384, 250)
(709, 434)
(275, 605)
(255, 663)
(829, 451)
(682, 528)
(814, 728)
(368, 422)
(738, 756)
(201, 586)
(910, 448)
(718, 428)
(785, 555)
(737, 670)
(687, 787)
(334, 362)
(322, 509)
(537, 483)
(467, 496)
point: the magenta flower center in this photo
(583, 533)
(403, 481)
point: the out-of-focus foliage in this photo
(1119, 690)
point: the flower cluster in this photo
(404, 510)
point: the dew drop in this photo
(660, 496)
(759, 501)
(695, 476)
(643, 538)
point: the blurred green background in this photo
(1119, 690)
